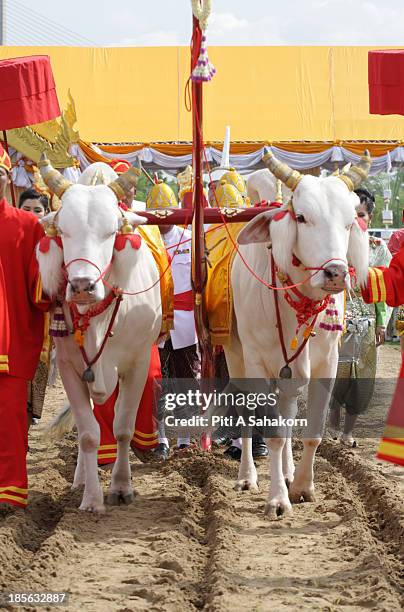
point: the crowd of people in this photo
(25, 345)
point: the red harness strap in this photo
(286, 371)
(81, 327)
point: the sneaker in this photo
(259, 448)
(161, 452)
(233, 452)
(348, 440)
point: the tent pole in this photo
(13, 198)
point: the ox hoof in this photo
(116, 499)
(128, 499)
(299, 495)
(276, 509)
(92, 507)
(246, 485)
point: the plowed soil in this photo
(189, 542)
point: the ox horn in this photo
(356, 174)
(53, 178)
(290, 177)
(126, 181)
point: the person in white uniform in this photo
(178, 352)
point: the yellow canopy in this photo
(275, 94)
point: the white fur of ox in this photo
(88, 222)
(327, 232)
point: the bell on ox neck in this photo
(88, 375)
(285, 372)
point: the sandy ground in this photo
(189, 542)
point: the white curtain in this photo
(250, 161)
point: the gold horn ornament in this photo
(53, 178)
(123, 184)
(356, 174)
(289, 177)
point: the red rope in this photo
(93, 311)
(287, 359)
(91, 362)
(159, 278)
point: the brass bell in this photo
(126, 227)
(51, 230)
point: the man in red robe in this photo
(21, 336)
(387, 285)
(145, 434)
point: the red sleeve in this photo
(396, 242)
(386, 284)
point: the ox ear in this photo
(257, 230)
(358, 252)
(50, 267)
(134, 219)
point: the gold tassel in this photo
(293, 344)
(79, 337)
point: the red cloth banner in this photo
(386, 82)
(27, 92)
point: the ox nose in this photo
(336, 273)
(82, 285)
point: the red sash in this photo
(184, 301)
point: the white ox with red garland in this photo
(316, 235)
(91, 246)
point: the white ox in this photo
(322, 231)
(88, 223)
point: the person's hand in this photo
(380, 335)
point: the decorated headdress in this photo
(119, 165)
(161, 196)
(234, 178)
(185, 182)
(40, 186)
(5, 161)
(224, 167)
(228, 196)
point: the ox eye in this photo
(300, 219)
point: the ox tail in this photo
(60, 425)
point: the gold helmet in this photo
(228, 196)
(161, 196)
(234, 178)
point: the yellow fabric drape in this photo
(288, 94)
(218, 294)
(151, 234)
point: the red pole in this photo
(198, 237)
(13, 199)
(199, 272)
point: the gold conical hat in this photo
(228, 196)
(234, 178)
(161, 196)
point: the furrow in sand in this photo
(382, 504)
(322, 558)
